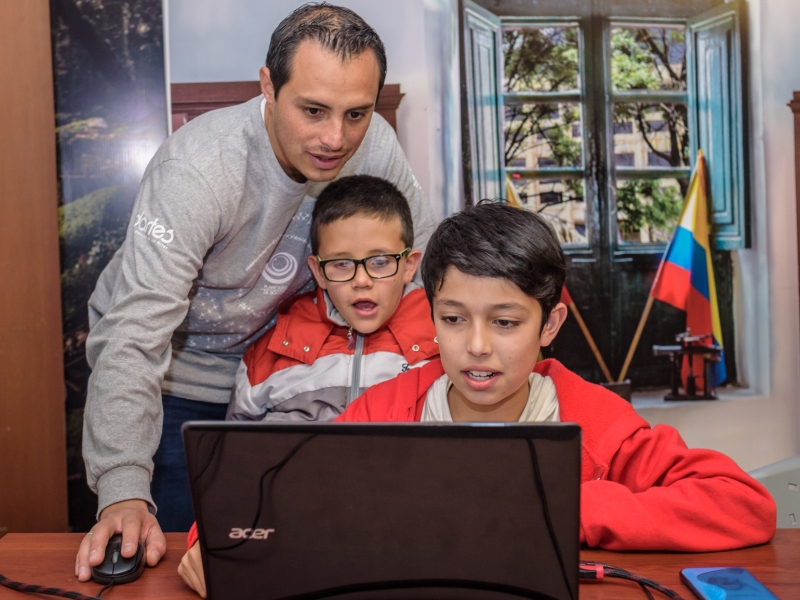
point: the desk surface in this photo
(49, 558)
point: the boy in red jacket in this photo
(367, 321)
(493, 275)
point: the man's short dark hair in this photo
(361, 195)
(496, 240)
(337, 29)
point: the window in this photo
(624, 159)
(601, 119)
(648, 82)
(542, 122)
(623, 127)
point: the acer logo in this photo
(249, 534)
(154, 229)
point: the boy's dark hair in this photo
(337, 29)
(496, 240)
(361, 195)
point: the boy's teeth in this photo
(480, 374)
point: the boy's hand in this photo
(130, 518)
(191, 569)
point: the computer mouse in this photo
(116, 567)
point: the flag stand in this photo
(636, 337)
(590, 340)
(685, 277)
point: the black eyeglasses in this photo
(379, 266)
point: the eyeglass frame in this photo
(362, 262)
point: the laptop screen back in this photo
(387, 511)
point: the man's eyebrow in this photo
(325, 106)
(312, 101)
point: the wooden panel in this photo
(190, 100)
(484, 102)
(33, 494)
(718, 119)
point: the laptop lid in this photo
(363, 510)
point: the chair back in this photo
(782, 480)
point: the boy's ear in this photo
(266, 85)
(412, 262)
(554, 322)
(316, 271)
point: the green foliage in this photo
(82, 218)
(647, 205)
(90, 229)
(543, 59)
(631, 68)
(640, 59)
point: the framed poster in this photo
(111, 117)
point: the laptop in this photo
(364, 510)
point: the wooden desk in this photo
(48, 559)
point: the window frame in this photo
(625, 250)
(573, 97)
(596, 99)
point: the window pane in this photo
(652, 58)
(540, 59)
(648, 209)
(560, 201)
(651, 135)
(543, 135)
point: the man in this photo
(218, 238)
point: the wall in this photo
(33, 488)
(228, 41)
(762, 426)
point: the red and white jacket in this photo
(642, 488)
(311, 365)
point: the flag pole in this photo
(650, 297)
(590, 339)
(636, 337)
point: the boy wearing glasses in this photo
(366, 322)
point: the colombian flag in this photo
(685, 278)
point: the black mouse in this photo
(116, 567)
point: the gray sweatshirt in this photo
(218, 238)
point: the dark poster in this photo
(111, 116)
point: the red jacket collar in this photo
(571, 389)
(305, 316)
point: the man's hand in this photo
(134, 521)
(191, 569)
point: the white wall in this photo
(211, 40)
(763, 427)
